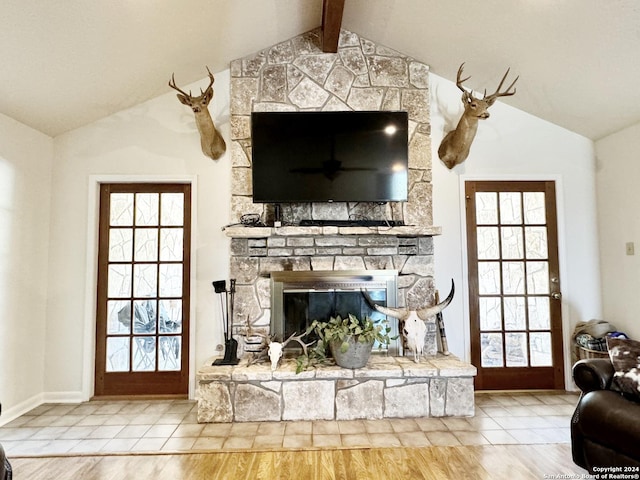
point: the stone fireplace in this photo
(296, 75)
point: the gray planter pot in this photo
(356, 356)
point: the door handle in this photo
(556, 295)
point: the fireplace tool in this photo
(230, 344)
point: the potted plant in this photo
(349, 340)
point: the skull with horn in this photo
(414, 328)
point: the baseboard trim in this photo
(29, 404)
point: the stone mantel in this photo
(265, 232)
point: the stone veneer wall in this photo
(325, 248)
(296, 75)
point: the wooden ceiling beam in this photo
(331, 23)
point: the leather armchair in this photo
(5, 466)
(605, 428)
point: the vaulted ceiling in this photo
(66, 63)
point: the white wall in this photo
(48, 356)
(513, 145)
(156, 140)
(618, 176)
(25, 186)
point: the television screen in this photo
(329, 156)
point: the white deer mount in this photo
(211, 141)
(455, 146)
(414, 328)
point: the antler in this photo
(172, 84)
(459, 82)
(492, 98)
(175, 87)
(211, 80)
(298, 338)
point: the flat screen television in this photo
(329, 156)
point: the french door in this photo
(514, 285)
(142, 321)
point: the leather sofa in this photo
(605, 428)
(5, 466)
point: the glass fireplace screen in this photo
(299, 298)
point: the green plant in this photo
(341, 329)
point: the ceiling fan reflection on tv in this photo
(330, 168)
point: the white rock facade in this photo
(296, 75)
(388, 387)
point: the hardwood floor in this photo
(512, 462)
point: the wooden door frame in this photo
(562, 265)
(91, 275)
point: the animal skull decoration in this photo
(455, 146)
(275, 353)
(211, 141)
(274, 349)
(413, 322)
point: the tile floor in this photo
(170, 426)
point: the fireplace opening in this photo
(299, 298)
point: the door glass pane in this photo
(489, 278)
(539, 313)
(147, 209)
(121, 209)
(170, 316)
(171, 244)
(490, 313)
(534, 208)
(146, 245)
(146, 276)
(120, 244)
(172, 209)
(514, 313)
(513, 278)
(144, 354)
(486, 208)
(540, 345)
(516, 349)
(536, 238)
(118, 317)
(144, 316)
(170, 280)
(537, 277)
(117, 354)
(169, 359)
(512, 247)
(491, 344)
(119, 281)
(510, 208)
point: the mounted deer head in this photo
(211, 141)
(455, 146)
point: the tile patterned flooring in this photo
(106, 427)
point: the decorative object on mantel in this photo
(413, 326)
(349, 340)
(274, 349)
(441, 329)
(455, 146)
(211, 141)
(230, 343)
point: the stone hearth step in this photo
(388, 387)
